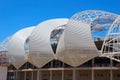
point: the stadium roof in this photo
(75, 46)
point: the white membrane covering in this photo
(39, 42)
(76, 45)
(16, 44)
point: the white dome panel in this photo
(16, 44)
(39, 42)
(76, 45)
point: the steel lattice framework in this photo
(111, 44)
(1, 48)
(4, 43)
(89, 16)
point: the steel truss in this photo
(111, 44)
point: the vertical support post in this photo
(14, 75)
(93, 69)
(92, 74)
(111, 72)
(31, 75)
(63, 71)
(62, 74)
(50, 74)
(25, 75)
(74, 74)
(38, 75)
(51, 64)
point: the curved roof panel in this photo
(16, 50)
(76, 45)
(39, 42)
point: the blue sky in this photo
(18, 14)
